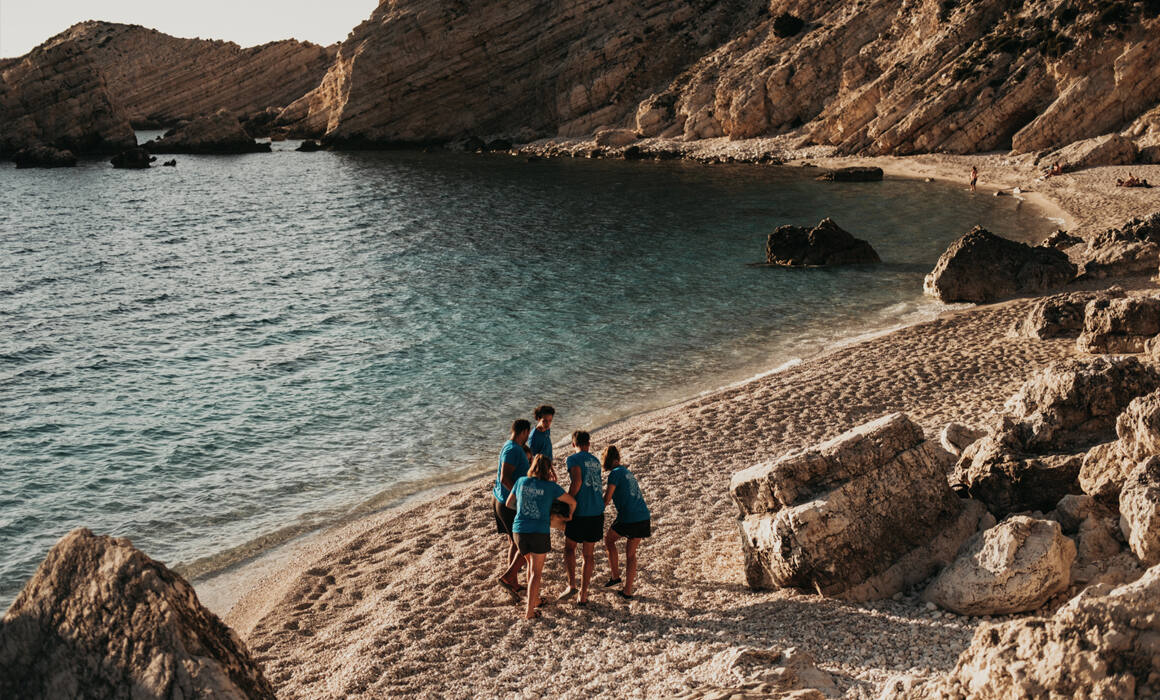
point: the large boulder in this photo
(1104, 643)
(44, 157)
(1109, 149)
(219, 133)
(1131, 249)
(861, 516)
(1106, 466)
(824, 244)
(1119, 325)
(981, 267)
(99, 619)
(133, 159)
(1140, 510)
(1060, 315)
(1035, 452)
(615, 138)
(852, 174)
(1016, 566)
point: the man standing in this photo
(513, 464)
(587, 524)
(541, 438)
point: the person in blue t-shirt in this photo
(513, 464)
(541, 439)
(531, 498)
(633, 520)
(587, 524)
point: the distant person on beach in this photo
(541, 438)
(974, 177)
(586, 527)
(633, 520)
(513, 465)
(531, 498)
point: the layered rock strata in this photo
(861, 516)
(101, 619)
(981, 267)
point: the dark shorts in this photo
(641, 528)
(504, 517)
(586, 528)
(533, 542)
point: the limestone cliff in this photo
(879, 76)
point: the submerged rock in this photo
(861, 516)
(99, 619)
(44, 157)
(852, 174)
(982, 267)
(220, 133)
(133, 159)
(1015, 566)
(825, 244)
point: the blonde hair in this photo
(541, 468)
(611, 454)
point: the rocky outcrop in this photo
(1140, 510)
(1060, 315)
(825, 244)
(1101, 644)
(982, 267)
(220, 133)
(1106, 467)
(852, 174)
(133, 159)
(1015, 566)
(956, 437)
(1119, 325)
(1132, 249)
(861, 516)
(1109, 149)
(56, 96)
(101, 619)
(1035, 452)
(44, 157)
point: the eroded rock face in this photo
(859, 516)
(1132, 249)
(44, 157)
(1109, 149)
(1106, 467)
(982, 267)
(1016, 566)
(956, 437)
(825, 244)
(1119, 325)
(101, 619)
(1101, 644)
(1140, 510)
(1060, 315)
(220, 133)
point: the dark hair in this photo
(519, 425)
(611, 454)
(541, 468)
(581, 438)
(544, 410)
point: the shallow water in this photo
(211, 358)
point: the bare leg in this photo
(589, 567)
(535, 573)
(570, 562)
(630, 563)
(613, 558)
(516, 562)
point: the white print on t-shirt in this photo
(531, 506)
(592, 474)
(633, 487)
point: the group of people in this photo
(1132, 181)
(529, 502)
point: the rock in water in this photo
(982, 267)
(133, 159)
(1015, 566)
(825, 244)
(1119, 325)
(99, 619)
(1140, 510)
(220, 133)
(1102, 644)
(852, 174)
(861, 516)
(44, 157)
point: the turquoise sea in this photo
(213, 358)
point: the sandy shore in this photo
(403, 603)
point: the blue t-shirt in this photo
(630, 507)
(513, 454)
(541, 443)
(589, 499)
(534, 504)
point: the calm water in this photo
(212, 358)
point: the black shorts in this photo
(641, 528)
(533, 542)
(585, 528)
(504, 517)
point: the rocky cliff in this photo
(879, 76)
